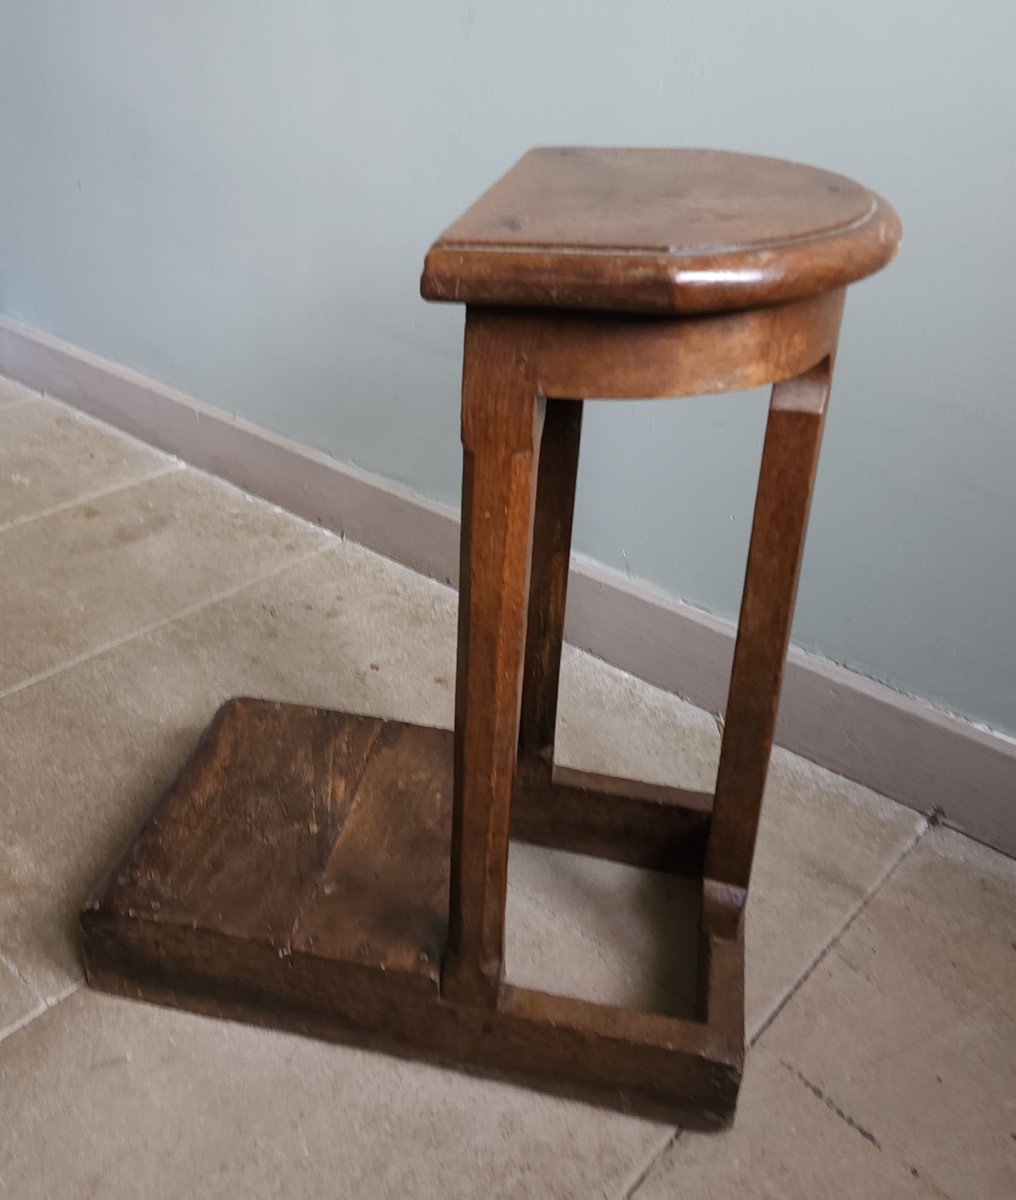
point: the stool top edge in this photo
(678, 231)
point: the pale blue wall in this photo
(236, 198)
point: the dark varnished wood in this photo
(789, 462)
(183, 859)
(664, 231)
(647, 825)
(348, 943)
(637, 357)
(548, 588)
(569, 355)
(345, 876)
(502, 419)
(382, 895)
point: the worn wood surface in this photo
(356, 813)
(647, 825)
(654, 230)
(639, 357)
(241, 775)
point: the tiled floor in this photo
(137, 594)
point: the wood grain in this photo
(787, 475)
(648, 825)
(638, 357)
(382, 896)
(352, 952)
(242, 776)
(502, 417)
(548, 587)
(659, 230)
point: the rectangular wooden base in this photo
(295, 874)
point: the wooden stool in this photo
(345, 876)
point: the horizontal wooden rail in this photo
(627, 820)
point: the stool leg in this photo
(502, 417)
(548, 588)
(789, 460)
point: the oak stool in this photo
(345, 876)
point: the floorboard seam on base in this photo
(354, 792)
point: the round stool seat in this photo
(660, 231)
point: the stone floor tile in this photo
(102, 570)
(554, 942)
(787, 1143)
(17, 998)
(112, 1098)
(643, 924)
(614, 724)
(50, 456)
(824, 845)
(909, 1024)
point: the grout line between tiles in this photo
(642, 1174)
(922, 830)
(18, 974)
(85, 497)
(13, 404)
(43, 1007)
(215, 598)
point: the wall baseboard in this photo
(903, 747)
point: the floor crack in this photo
(831, 1104)
(923, 829)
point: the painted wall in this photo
(236, 198)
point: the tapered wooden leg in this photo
(789, 460)
(502, 418)
(548, 588)
(628, 820)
